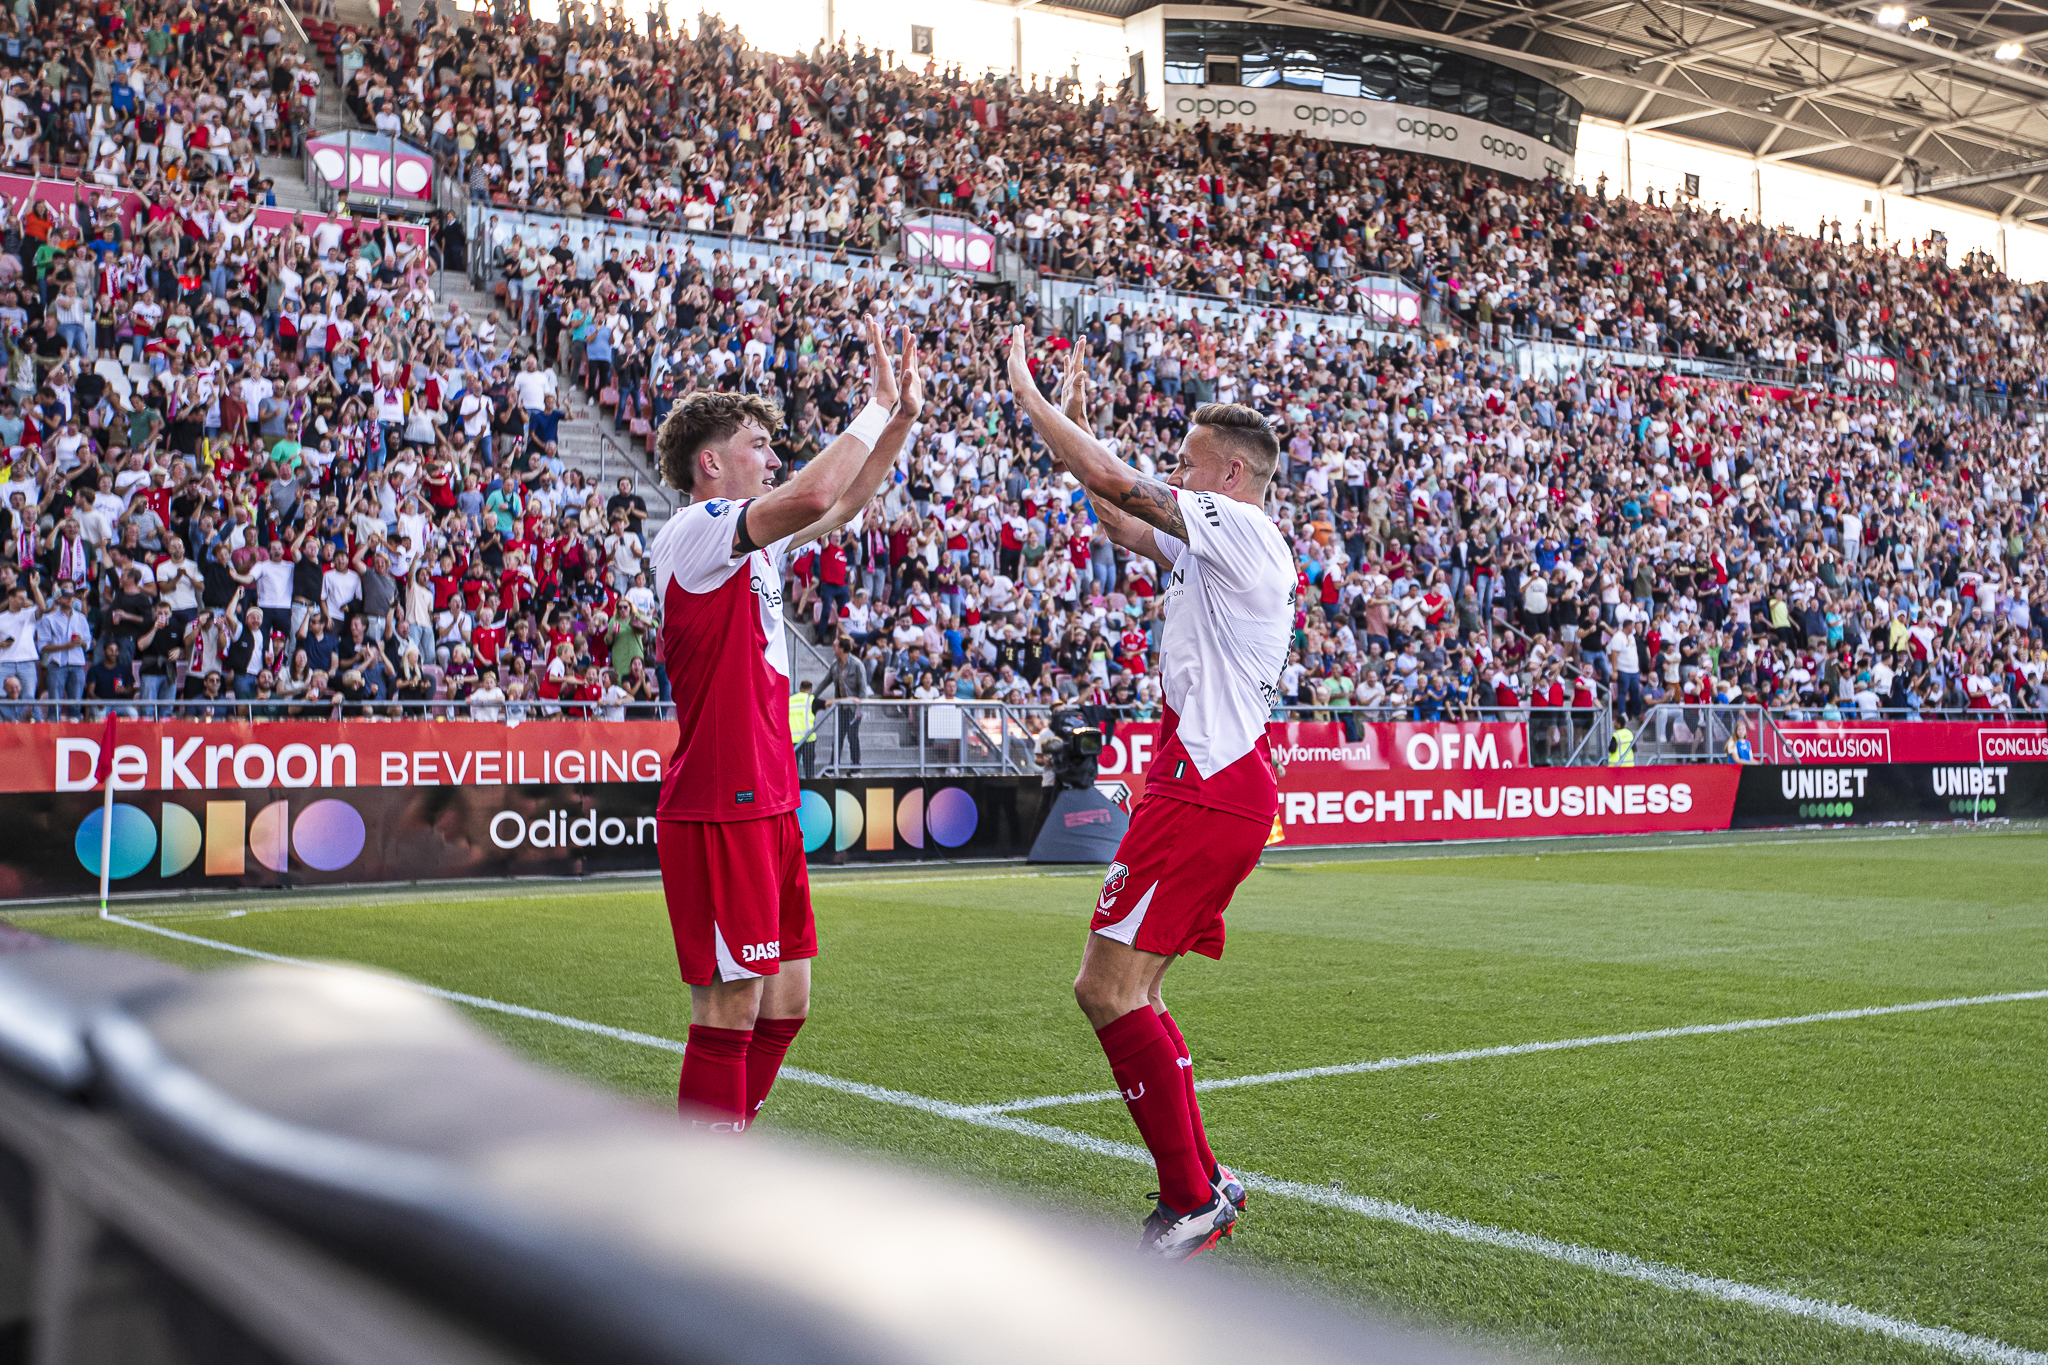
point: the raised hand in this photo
(1074, 391)
(881, 373)
(912, 379)
(1020, 362)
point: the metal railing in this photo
(1569, 736)
(871, 736)
(1672, 732)
(862, 736)
(298, 30)
(1087, 299)
(812, 258)
(644, 473)
(325, 196)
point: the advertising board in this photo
(1376, 123)
(1916, 741)
(283, 803)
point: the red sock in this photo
(772, 1038)
(1187, 1081)
(715, 1075)
(1145, 1063)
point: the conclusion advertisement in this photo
(1919, 741)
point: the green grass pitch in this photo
(1896, 1164)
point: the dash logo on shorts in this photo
(771, 951)
(1112, 884)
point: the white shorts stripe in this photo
(729, 968)
(1125, 930)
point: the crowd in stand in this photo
(835, 150)
(164, 97)
(260, 467)
(267, 471)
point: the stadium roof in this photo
(1857, 90)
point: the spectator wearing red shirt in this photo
(1131, 648)
(487, 637)
(832, 590)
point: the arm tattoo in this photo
(1154, 503)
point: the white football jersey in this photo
(1229, 607)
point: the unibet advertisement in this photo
(1398, 127)
(1773, 797)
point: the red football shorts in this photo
(1175, 871)
(739, 896)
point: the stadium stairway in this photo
(582, 441)
(888, 737)
(588, 441)
(288, 178)
(808, 660)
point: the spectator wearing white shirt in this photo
(534, 385)
(18, 638)
(273, 574)
(179, 581)
(63, 634)
(487, 702)
(340, 587)
(623, 551)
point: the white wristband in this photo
(867, 428)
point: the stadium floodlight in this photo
(1922, 22)
(2008, 51)
(1891, 16)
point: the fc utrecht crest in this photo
(1112, 884)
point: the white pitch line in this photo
(1306, 1073)
(1948, 1339)
(480, 1001)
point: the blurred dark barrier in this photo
(288, 1164)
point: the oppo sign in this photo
(1203, 106)
(1370, 122)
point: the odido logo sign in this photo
(949, 816)
(327, 835)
